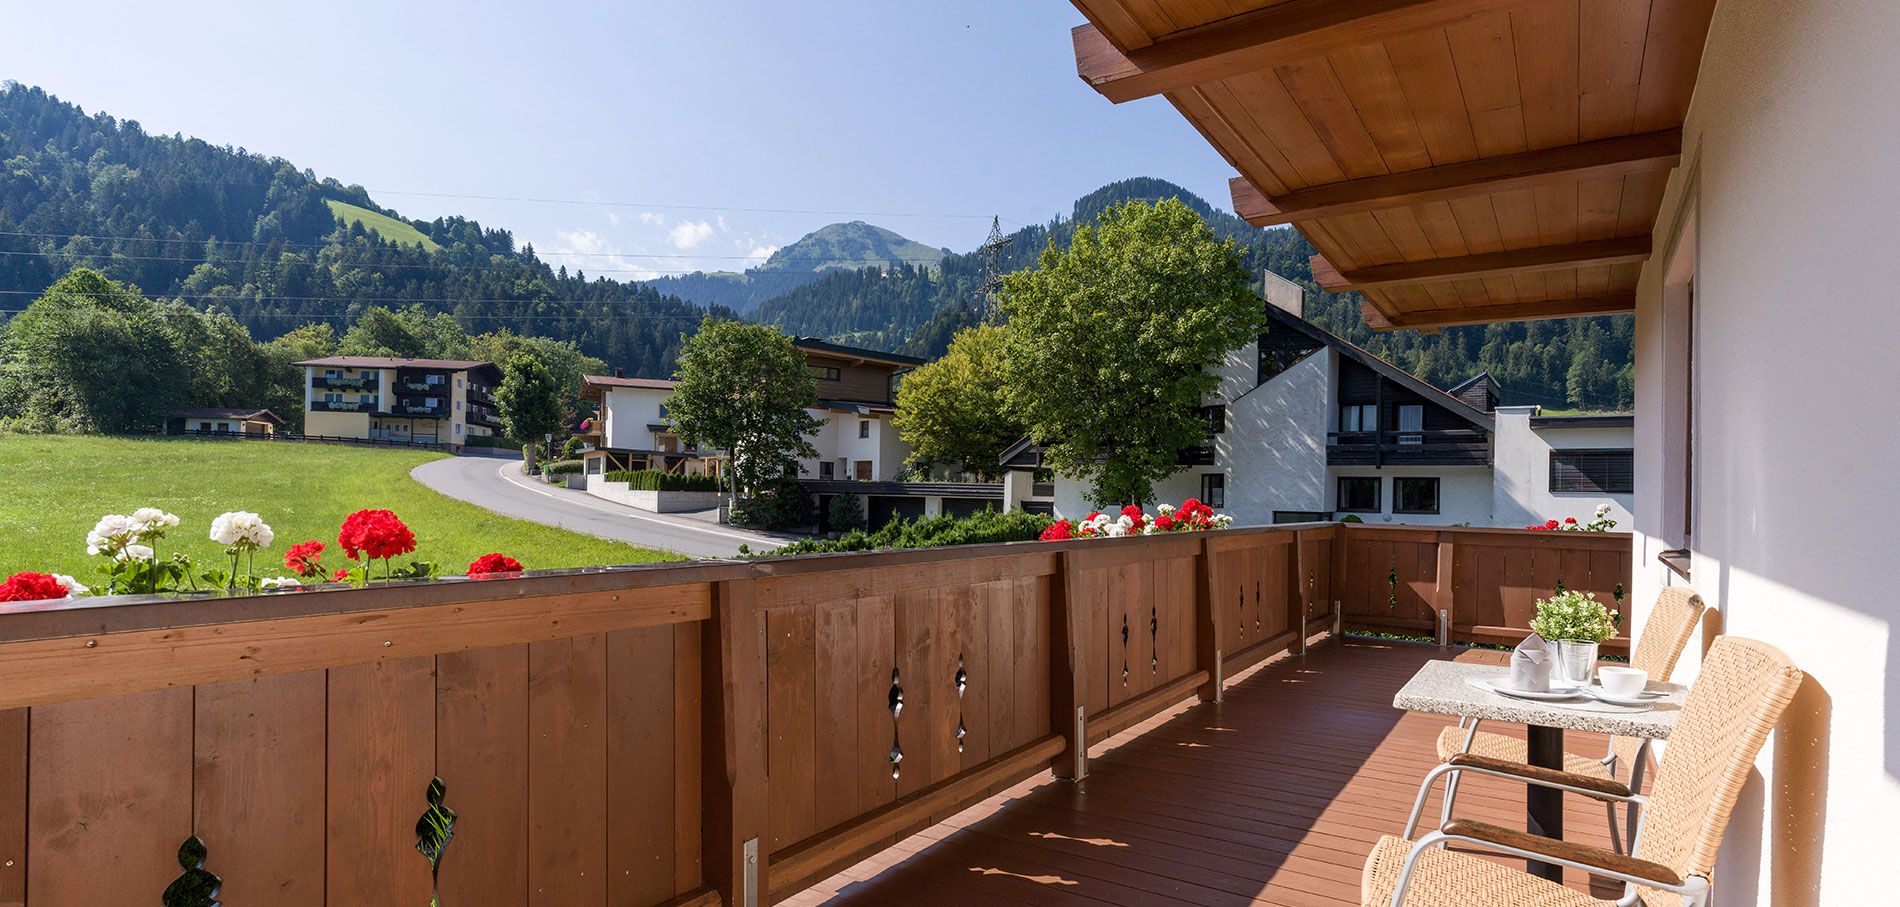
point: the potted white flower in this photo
(1574, 625)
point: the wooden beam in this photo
(1642, 153)
(1282, 33)
(1620, 250)
(1434, 319)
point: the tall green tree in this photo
(92, 354)
(529, 403)
(744, 389)
(955, 410)
(1112, 343)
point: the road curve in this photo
(498, 485)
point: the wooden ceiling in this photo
(1455, 161)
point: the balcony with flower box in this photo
(366, 383)
(339, 406)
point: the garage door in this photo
(962, 507)
(885, 508)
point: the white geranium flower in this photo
(135, 553)
(113, 532)
(279, 582)
(1603, 510)
(1165, 508)
(241, 528)
(73, 586)
(151, 521)
(1125, 521)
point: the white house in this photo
(1307, 426)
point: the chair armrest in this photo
(1547, 776)
(1566, 851)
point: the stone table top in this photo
(1442, 687)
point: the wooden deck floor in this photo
(1271, 797)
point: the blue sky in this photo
(897, 113)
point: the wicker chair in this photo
(1737, 699)
(1664, 636)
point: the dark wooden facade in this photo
(1447, 438)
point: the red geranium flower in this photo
(341, 576)
(1133, 512)
(1164, 524)
(32, 587)
(375, 534)
(1058, 531)
(1570, 520)
(494, 563)
(305, 559)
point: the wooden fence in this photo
(667, 734)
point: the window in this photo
(224, 426)
(824, 373)
(1414, 495)
(458, 382)
(332, 373)
(433, 379)
(864, 428)
(1214, 489)
(1358, 494)
(1216, 417)
(333, 398)
(1411, 423)
(593, 465)
(827, 470)
(1298, 516)
(458, 428)
(1592, 472)
(458, 406)
(1359, 417)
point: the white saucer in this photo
(1644, 698)
(1498, 685)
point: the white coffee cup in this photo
(1622, 682)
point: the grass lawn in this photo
(392, 229)
(53, 488)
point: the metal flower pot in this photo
(1576, 661)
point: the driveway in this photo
(498, 485)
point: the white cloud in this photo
(759, 254)
(652, 217)
(689, 234)
(722, 223)
(585, 250)
(612, 218)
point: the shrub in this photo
(565, 467)
(987, 527)
(495, 441)
(781, 506)
(572, 449)
(655, 480)
(846, 513)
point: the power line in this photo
(387, 300)
(451, 266)
(321, 316)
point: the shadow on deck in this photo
(1274, 796)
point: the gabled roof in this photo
(661, 384)
(247, 415)
(815, 345)
(1385, 369)
(1024, 454)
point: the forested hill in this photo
(828, 248)
(253, 235)
(1580, 363)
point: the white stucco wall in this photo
(1520, 455)
(628, 411)
(1464, 494)
(1788, 185)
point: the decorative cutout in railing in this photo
(1154, 639)
(962, 680)
(196, 887)
(433, 832)
(1124, 650)
(897, 708)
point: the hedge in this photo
(565, 468)
(655, 480)
(982, 528)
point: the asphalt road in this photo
(498, 485)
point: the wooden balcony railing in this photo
(1425, 448)
(701, 733)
